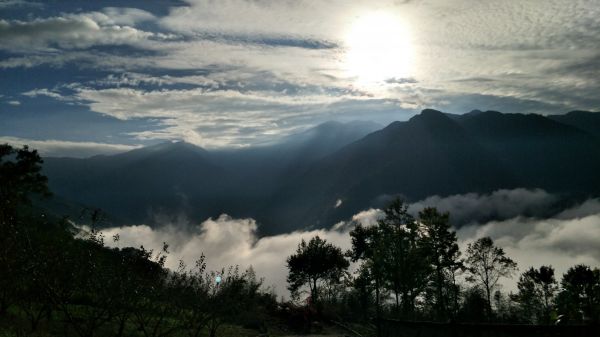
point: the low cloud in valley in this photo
(562, 240)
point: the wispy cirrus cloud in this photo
(215, 118)
(506, 56)
(20, 3)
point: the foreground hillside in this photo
(335, 170)
(409, 278)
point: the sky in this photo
(108, 76)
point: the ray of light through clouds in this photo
(264, 69)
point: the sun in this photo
(378, 48)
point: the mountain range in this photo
(334, 170)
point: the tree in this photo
(486, 264)
(315, 262)
(405, 255)
(154, 306)
(395, 253)
(474, 305)
(368, 245)
(537, 288)
(362, 292)
(579, 298)
(444, 255)
(193, 296)
(20, 178)
(234, 294)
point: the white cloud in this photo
(317, 19)
(211, 117)
(366, 218)
(500, 204)
(74, 31)
(122, 16)
(225, 242)
(43, 92)
(570, 237)
(59, 148)
(531, 242)
(14, 102)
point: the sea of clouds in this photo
(563, 239)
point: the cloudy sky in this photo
(113, 75)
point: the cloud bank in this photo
(57, 148)
(500, 204)
(573, 237)
(563, 240)
(225, 241)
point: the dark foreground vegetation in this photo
(56, 280)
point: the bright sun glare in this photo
(379, 48)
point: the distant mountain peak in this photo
(429, 116)
(346, 131)
(477, 113)
(431, 112)
(168, 147)
(181, 144)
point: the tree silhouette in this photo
(20, 178)
(444, 256)
(314, 262)
(486, 264)
(579, 298)
(537, 288)
(369, 245)
(406, 259)
(395, 253)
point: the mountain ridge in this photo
(298, 184)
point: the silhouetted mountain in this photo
(325, 139)
(137, 185)
(298, 149)
(259, 171)
(429, 154)
(172, 178)
(540, 151)
(584, 120)
(334, 170)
